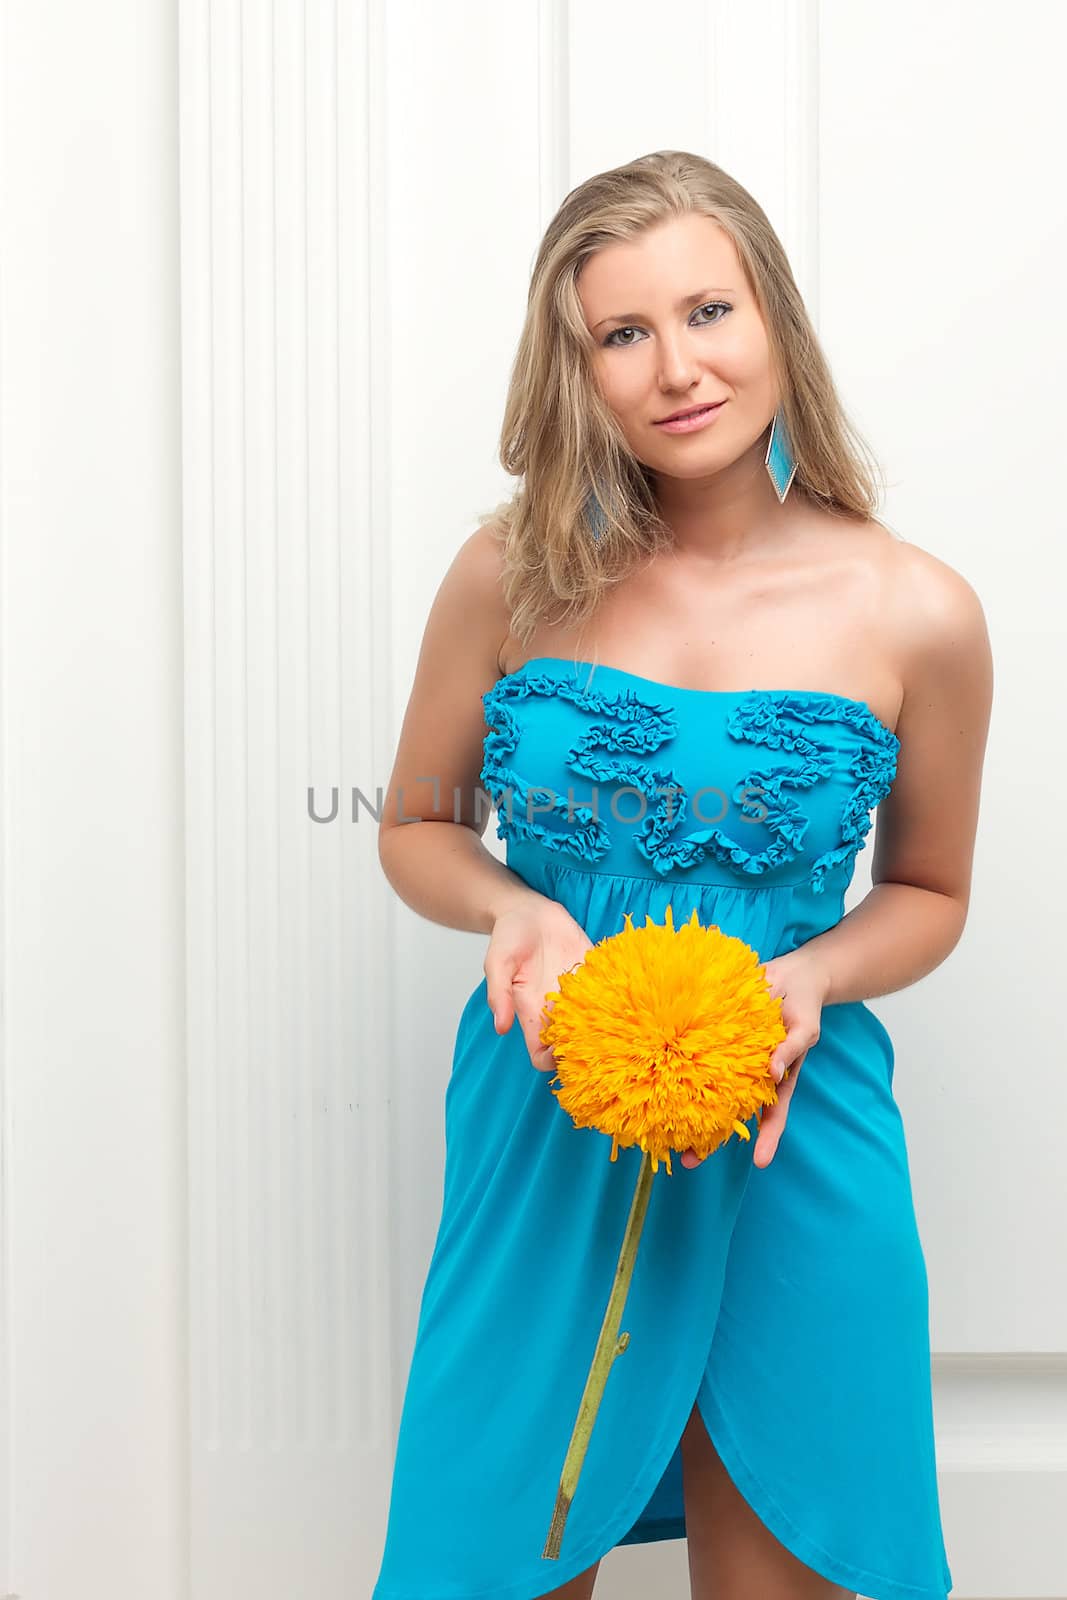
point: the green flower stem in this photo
(609, 1345)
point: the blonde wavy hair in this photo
(560, 437)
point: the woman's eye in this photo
(710, 305)
(713, 305)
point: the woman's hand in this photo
(529, 949)
(802, 985)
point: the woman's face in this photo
(675, 325)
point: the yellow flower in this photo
(663, 1038)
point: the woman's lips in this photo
(695, 420)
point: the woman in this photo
(763, 640)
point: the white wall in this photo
(214, 583)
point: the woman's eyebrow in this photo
(682, 305)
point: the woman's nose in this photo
(678, 365)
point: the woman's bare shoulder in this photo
(927, 827)
(443, 727)
(477, 575)
(933, 605)
(940, 639)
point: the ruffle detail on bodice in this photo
(635, 726)
(627, 726)
(765, 718)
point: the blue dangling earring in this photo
(594, 515)
(780, 461)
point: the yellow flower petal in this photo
(662, 1038)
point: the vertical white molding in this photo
(553, 106)
(760, 117)
(711, 55)
(800, 153)
(288, 917)
(7, 1464)
(371, 947)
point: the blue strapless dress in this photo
(790, 1303)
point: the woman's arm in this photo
(443, 871)
(915, 913)
(438, 864)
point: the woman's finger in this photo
(769, 1134)
(499, 970)
(540, 1054)
(502, 1007)
(773, 1120)
(797, 1042)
